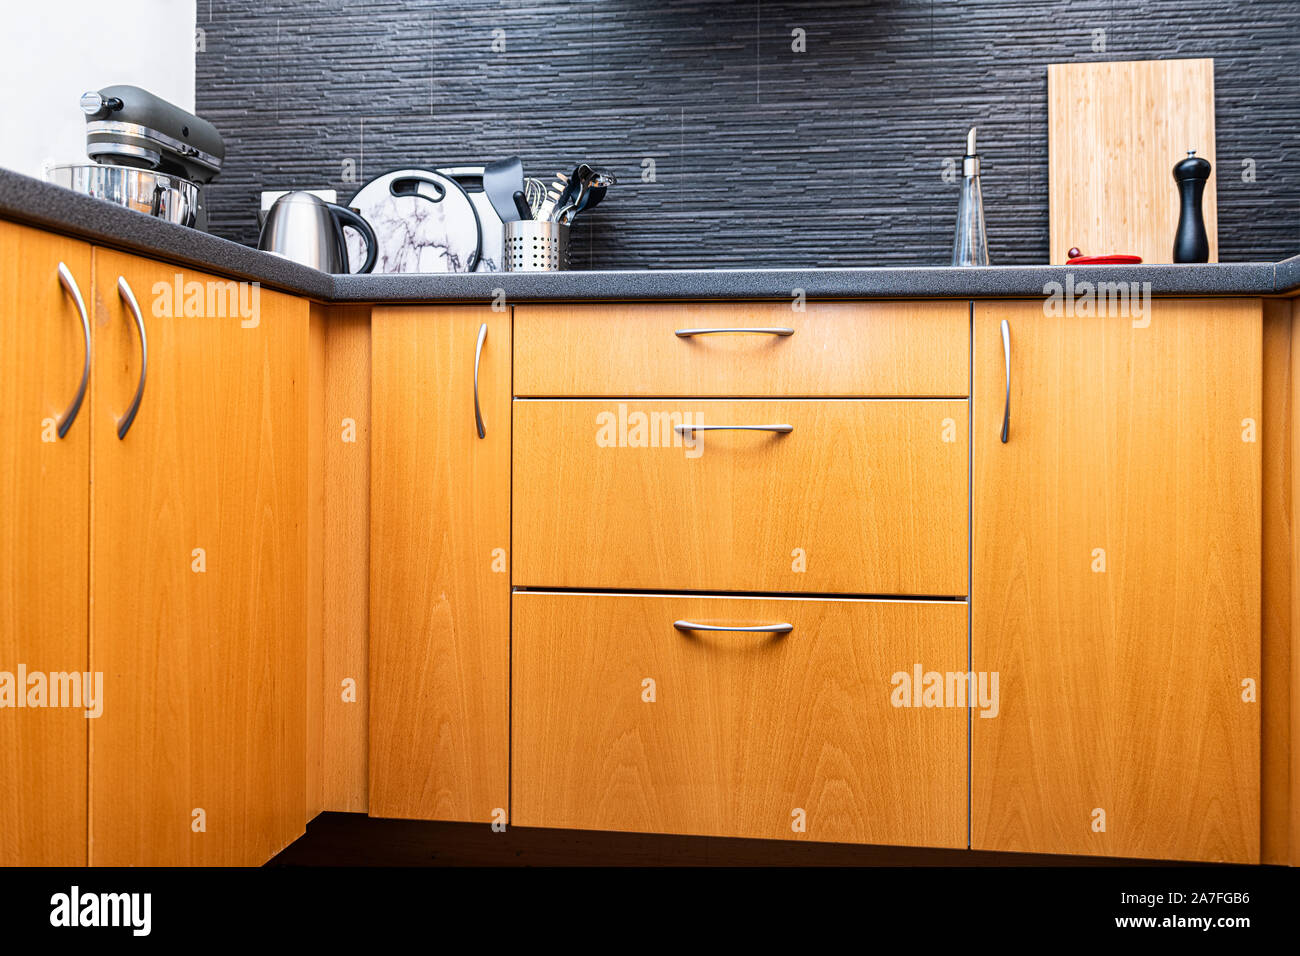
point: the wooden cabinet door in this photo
(627, 717)
(198, 570)
(439, 563)
(1116, 581)
(44, 531)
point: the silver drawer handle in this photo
(478, 355)
(688, 333)
(124, 290)
(1006, 409)
(779, 429)
(751, 629)
(70, 286)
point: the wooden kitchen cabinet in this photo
(44, 527)
(858, 497)
(198, 570)
(743, 349)
(1116, 581)
(630, 715)
(1114, 570)
(439, 563)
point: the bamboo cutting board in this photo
(1115, 132)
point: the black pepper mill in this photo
(1191, 244)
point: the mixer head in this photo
(128, 126)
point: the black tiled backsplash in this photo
(762, 156)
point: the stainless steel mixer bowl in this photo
(154, 194)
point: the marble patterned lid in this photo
(424, 222)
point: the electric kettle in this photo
(309, 230)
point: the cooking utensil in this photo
(535, 191)
(575, 204)
(501, 180)
(601, 180)
(424, 220)
(160, 195)
(309, 230)
(568, 195)
(553, 193)
(522, 207)
(574, 183)
(592, 198)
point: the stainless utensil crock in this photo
(536, 245)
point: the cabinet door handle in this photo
(70, 287)
(1006, 409)
(749, 629)
(688, 333)
(127, 296)
(779, 429)
(478, 355)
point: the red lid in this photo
(1104, 261)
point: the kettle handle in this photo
(346, 217)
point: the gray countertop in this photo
(31, 201)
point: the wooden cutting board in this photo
(1115, 131)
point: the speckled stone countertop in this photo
(27, 200)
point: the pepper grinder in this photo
(1191, 244)
(970, 247)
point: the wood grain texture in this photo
(874, 493)
(745, 729)
(845, 349)
(1276, 586)
(1121, 690)
(204, 672)
(439, 565)
(44, 546)
(1115, 132)
(1294, 696)
(346, 606)
(313, 678)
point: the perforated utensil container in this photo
(533, 245)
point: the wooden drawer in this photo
(846, 349)
(745, 729)
(861, 497)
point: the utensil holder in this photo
(533, 245)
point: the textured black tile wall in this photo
(763, 156)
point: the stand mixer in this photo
(149, 155)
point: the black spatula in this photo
(501, 180)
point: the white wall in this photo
(52, 51)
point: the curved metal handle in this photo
(127, 296)
(687, 333)
(779, 429)
(478, 354)
(1006, 410)
(70, 287)
(750, 629)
